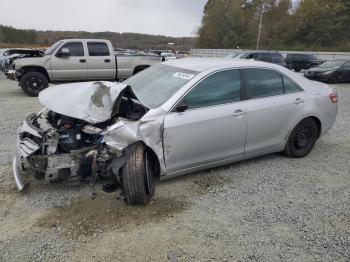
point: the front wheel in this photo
(334, 79)
(138, 177)
(302, 139)
(33, 82)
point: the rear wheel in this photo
(33, 82)
(297, 69)
(302, 139)
(138, 177)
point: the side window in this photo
(266, 57)
(289, 86)
(219, 88)
(298, 57)
(263, 83)
(98, 49)
(75, 48)
(277, 58)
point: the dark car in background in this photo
(273, 57)
(302, 61)
(334, 71)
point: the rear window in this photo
(265, 57)
(98, 49)
(277, 58)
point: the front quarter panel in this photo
(148, 130)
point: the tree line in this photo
(319, 25)
(10, 36)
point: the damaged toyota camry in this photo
(173, 118)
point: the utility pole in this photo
(260, 25)
(261, 11)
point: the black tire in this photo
(297, 69)
(33, 82)
(302, 139)
(138, 177)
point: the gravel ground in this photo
(270, 208)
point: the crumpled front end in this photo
(52, 147)
(72, 141)
(28, 139)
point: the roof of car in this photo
(202, 64)
(83, 39)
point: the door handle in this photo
(298, 101)
(82, 60)
(107, 60)
(238, 112)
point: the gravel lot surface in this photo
(270, 208)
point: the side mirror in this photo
(182, 107)
(63, 53)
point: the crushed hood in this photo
(89, 101)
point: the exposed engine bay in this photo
(57, 147)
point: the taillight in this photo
(333, 97)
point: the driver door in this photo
(72, 67)
(211, 125)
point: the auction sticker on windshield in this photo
(183, 75)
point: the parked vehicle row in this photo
(173, 118)
(264, 56)
(333, 71)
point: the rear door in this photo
(101, 63)
(275, 104)
(299, 61)
(72, 67)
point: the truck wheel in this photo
(33, 82)
(138, 177)
(302, 139)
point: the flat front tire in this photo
(138, 177)
(33, 82)
(302, 139)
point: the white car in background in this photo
(168, 56)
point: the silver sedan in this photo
(171, 119)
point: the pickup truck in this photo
(73, 60)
